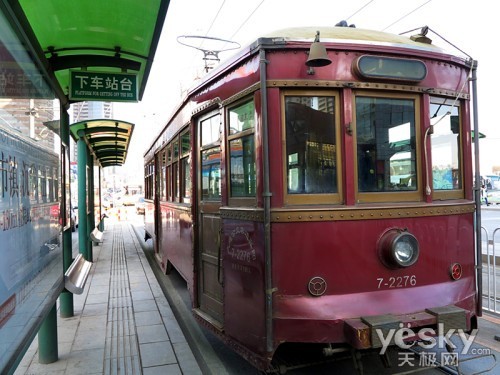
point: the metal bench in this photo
(76, 275)
(96, 235)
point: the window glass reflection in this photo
(242, 167)
(310, 145)
(445, 143)
(210, 174)
(386, 144)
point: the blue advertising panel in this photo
(31, 265)
(31, 260)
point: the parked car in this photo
(140, 207)
(129, 200)
(73, 217)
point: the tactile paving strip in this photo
(122, 349)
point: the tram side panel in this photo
(244, 283)
(176, 241)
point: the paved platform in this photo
(122, 323)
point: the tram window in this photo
(175, 150)
(186, 178)
(185, 164)
(169, 154)
(386, 144)
(149, 172)
(163, 177)
(175, 182)
(311, 145)
(242, 150)
(185, 143)
(211, 174)
(242, 167)
(168, 183)
(210, 130)
(242, 118)
(445, 146)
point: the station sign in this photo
(103, 86)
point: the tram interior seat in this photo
(76, 275)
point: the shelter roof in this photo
(110, 36)
(107, 139)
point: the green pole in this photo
(66, 298)
(83, 233)
(47, 338)
(101, 218)
(91, 220)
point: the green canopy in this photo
(108, 140)
(111, 36)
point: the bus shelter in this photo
(54, 53)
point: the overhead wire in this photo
(407, 14)
(246, 20)
(215, 18)
(359, 10)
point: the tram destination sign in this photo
(102, 86)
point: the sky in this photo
(175, 68)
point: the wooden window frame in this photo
(452, 193)
(239, 201)
(390, 196)
(318, 199)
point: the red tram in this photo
(320, 198)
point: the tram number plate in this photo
(397, 281)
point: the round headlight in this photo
(398, 248)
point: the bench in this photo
(96, 235)
(76, 275)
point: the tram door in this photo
(209, 202)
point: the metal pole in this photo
(101, 217)
(66, 297)
(477, 193)
(83, 233)
(91, 217)
(266, 195)
(47, 338)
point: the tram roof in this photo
(349, 35)
(107, 139)
(109, 36)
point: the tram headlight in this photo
(398, 248)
